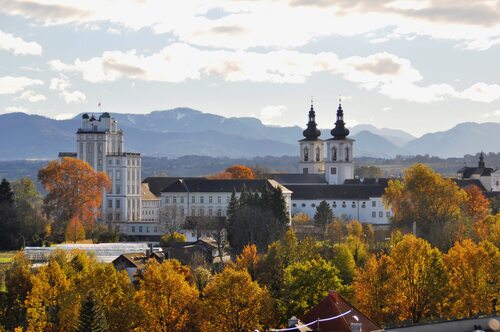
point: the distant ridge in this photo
(184, 131)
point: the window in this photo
(118, 216)
(210, 212)
(388, 214)
(202, 199)
(374, 203)
(313, 205)
(147, 229)
(305, 171)
(118, 174)
(353, 204)
(317, 153)
(294, 204)
(363, 205)
(374, 214)
(90, 147)
(118, 189)
(209, 199)
(118, 161)
(381, 214)
(306, 154)
(133, 229)
(219, 212)
(193, 212)
(99, 162)
(303, 204)
(182, 199)
(333, 170)
(110, 161)
(346, 153)
(110, 203)
(344, 204)
(182, 211)
(140, 229)
(219, 199)
(117, 204)
(202, 212)
(174, 199)
(99, 147)
(167, 200)
(192, 199)
(334, 204)
(334, 153)
(156, 229)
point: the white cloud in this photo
(31, 96)
(18, 46)
(114, 31)
(62, 84)
(65, 116)
(16, 109)
(481, 92)
(247, 24)
(271, 112)
(11, 85)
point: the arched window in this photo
(334, 153)
(346, 153)
(317, 153)
(306, 154)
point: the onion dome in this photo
(85, 116)
(340, 131)
(105, 115)
(312, 132)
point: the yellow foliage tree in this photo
(74, 230)
(165, 297)
(473, 278)
(235, 303)
(248, 260)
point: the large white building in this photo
(101, 144)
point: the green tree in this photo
(91, 317)
(9, 236)
(324, 214)
(344, 261)
(169, 238)
(306, 283)
(368, 172)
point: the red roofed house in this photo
(333, 305)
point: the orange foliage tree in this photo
(476, 205)
(235, 172)
(74, 190)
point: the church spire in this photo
(312, 132)
(340, 131)
(481, 160)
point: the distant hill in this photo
(184, 131)
(465, 138)
(372, 145)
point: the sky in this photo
(419, 66)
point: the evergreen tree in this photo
(92, 318)
(8, 220)
(232, 207)
(324, 214)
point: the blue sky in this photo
(420, 66)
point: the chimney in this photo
(356, 327)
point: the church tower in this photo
(339, 165)
(311, 148)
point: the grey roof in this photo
(298, 178)
(157, 183)
(342, 191)
(467, 172)
(209, 185)
(463, 183)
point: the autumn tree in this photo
(165, 297)
(344, 261)
(248, 261)
(235, 303)
(73, 189)
(419, 278)
(306, 283)
(169, 238)
(324, 214)
(374, 290)
(476, 205)
(368, 172)
(240, 172)
(425, 199)
(74, 230)
(473, 278)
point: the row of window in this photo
(344, 204)
(381, 214)
(193, 199)
(141, 228)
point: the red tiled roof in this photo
(333, 305)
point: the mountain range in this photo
(184, 131)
